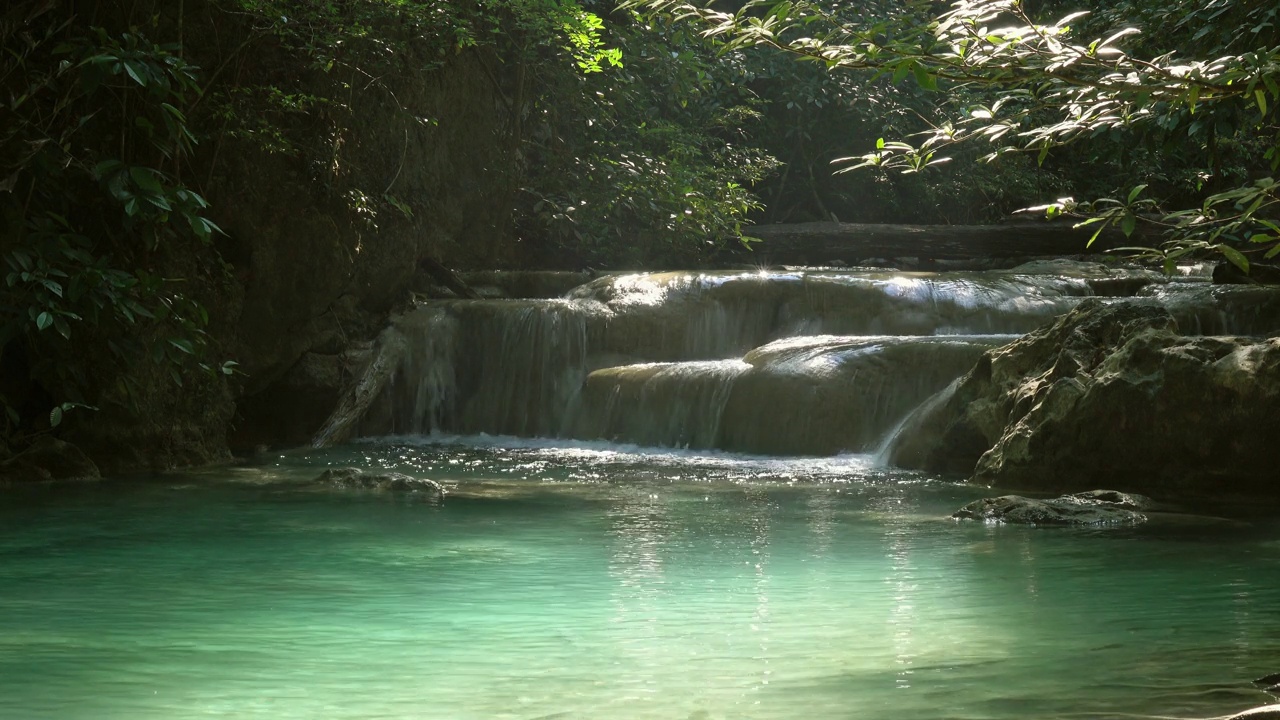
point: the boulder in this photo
(1110, 394)
(357, 479)
(1066, 510)
(49, 458)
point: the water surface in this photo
(591, 581)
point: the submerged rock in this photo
(357, 479)
(48, 458)
(1080, 509)
(1110, 394)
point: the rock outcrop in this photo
(1099, 507)
(1110, 394)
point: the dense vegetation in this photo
(1151, 111)
(647, 133)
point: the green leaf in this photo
(925, 79)
(106, 166)
(900, 72)
(44, 320)
(184, 345)
(55, 417)
(1135, 192)
(1236, 257)
(145, 178)
(135, 71)
(1261, 97)
(1128, 224)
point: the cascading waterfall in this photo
(472, 366)
(789, 363)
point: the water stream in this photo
(664, 502)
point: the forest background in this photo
(197, 195)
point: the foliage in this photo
(1054, 88)
(813, 117)
(91, 193)
(651, 160)
(620, 152)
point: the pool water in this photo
(563, 580)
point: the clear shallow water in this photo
(590, 581)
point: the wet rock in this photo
(1066, 510)
(357, 479)
(823, 395)
(968, 422)
(1111, 394)
(1205, 309)
(1112, 498)
(49, 459)
(705, 316)
(817, 395)
(1104, 279)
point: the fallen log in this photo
(821, 243)
(446, 277)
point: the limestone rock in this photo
(815, 395)
(1111, 394)
(973, 417)
(1066, 510)
(49, 459)
(357, 479)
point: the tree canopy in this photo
(1185, 92)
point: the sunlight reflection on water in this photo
(594, 581)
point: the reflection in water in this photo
(640, 531)
(761, 510)
(592, 582)
(902, 587)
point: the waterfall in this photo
(776, 363)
